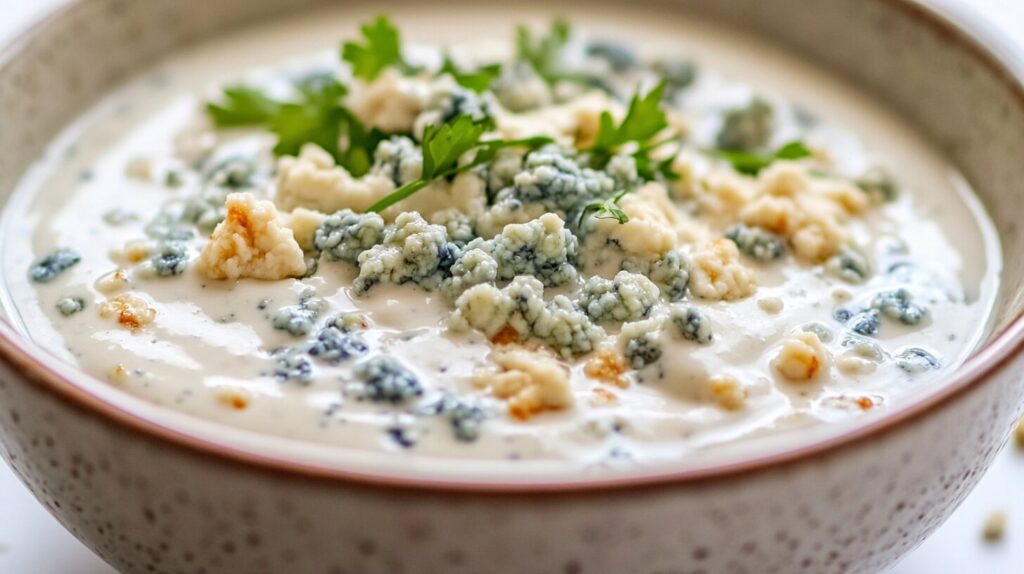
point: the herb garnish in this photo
(605, 209)
(750, 163)
(478, 80)
(382, 49)
(243, 106)
(444, 145)
(544, 53)
(649, 168)
(644, 120)
(316, 116)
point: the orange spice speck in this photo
(237, 399)
(812, 367)
(607, 366)
(118, 374)
(521, 410)
(604, 396)
(506, 336)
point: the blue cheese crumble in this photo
(412, 252)
(558, 182)
(627, 297)
(691, 323)
(70, 305)
(387, 380)
(335, 345)
(345, 235)
(543, 248)
(756, 242)
(520, 305)
(48, 268)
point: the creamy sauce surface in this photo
(209, 351)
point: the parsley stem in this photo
(398, 195)
(484, 153)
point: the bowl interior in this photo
(914, 59)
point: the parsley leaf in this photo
(749, 163)
(644, 120)
(605, 209)
(793, 151)
(382, 49)
(316, 116)
(443, 147)
(242, 106)
(357, 158)
(544, 53)
(649, 168)
(478, 80)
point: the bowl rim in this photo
(979, 37)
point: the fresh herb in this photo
(382, 49)
(478, 80)
(320, 118)
(644, 120)
(649, 168)
(443, 146)
(316, 116)
(242, 106)
(544, 53)
(752, 163)
(605, 209)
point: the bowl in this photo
(150, 490)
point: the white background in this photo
(32, 542)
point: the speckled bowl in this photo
(151, 492)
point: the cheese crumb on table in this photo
(995, 526)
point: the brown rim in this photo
(1001, 349)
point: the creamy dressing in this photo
(212, 340)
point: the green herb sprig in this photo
(242, 106)
(444, 145)
(381, 48)
(477, 80)
(544, 53)
(750, 163)
(315, 116)
(644, 120)
(605, 209)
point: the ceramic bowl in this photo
(150, 493)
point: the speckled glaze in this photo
(151, 498)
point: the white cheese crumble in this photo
(530, 381)
(252, 242)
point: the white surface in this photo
(32, 542)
